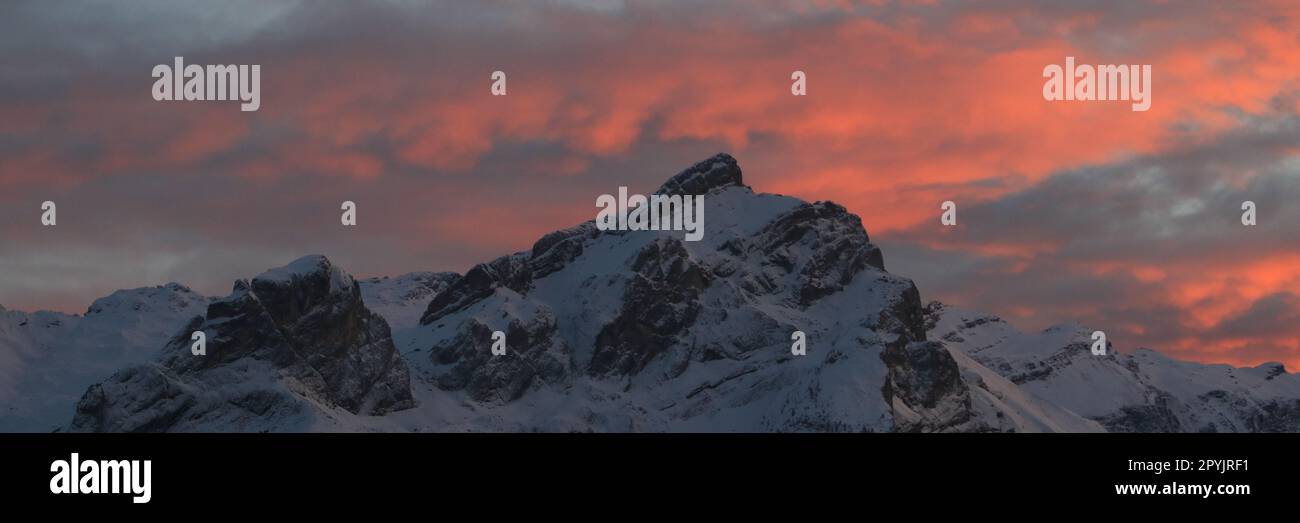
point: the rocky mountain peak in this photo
(293, 338)
(721, 170)
(1272, 369)
(641, 330)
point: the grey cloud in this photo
(1178, 210)
(1274, 314)
(1163, 208)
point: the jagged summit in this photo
(1272, 369)
(305, 267)
(719, 171)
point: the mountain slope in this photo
(47, 359)
(1140, 392)
(402, 299)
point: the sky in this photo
(1128, 222)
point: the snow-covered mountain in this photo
(609, 331)
(47, 359)
(1144, 391)
(289, 350)
(642, 331)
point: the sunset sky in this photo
(1125, 221)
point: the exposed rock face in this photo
(282, 351)
(498, 380)
(926, 388)
(660, 301)
(1139, 392)
(718, 172)
(640, 330)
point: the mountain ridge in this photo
(1140, 391)
(634, 331)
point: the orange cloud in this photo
(903, 112)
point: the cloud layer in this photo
(1068, 211)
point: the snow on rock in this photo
(642, 331)
(604, 331)
(720, 171)
(47, 359)
(294, 349)
(1140, 392)
(1016, 409)
(306, 267)
(627, 331)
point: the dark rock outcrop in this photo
(279, 348)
